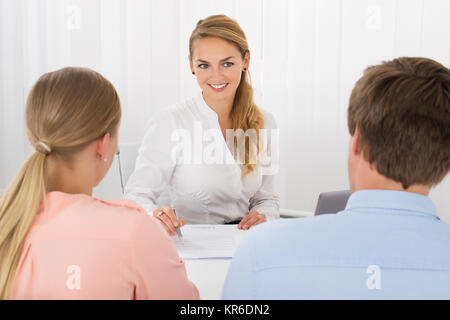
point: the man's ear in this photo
(354, 147)
(102, 145)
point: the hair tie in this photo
(43, 148)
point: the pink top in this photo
(86, 248)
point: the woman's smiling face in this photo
(218, 66)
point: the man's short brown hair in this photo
(402, 111)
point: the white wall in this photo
(306, 56)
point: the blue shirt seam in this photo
(353, 267)
(392, 211)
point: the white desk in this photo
(209, 274)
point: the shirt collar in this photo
(205, 109)
(401, 202)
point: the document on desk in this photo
(204, 241)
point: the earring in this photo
(106, 159)
(245, 69)
(193, 72)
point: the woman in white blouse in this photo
(191, 149)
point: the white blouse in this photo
(185, 152)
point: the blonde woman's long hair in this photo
(245, 114)
(66, 110)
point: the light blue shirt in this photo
(384, 245)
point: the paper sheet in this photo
(208, 241)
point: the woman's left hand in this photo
(252, 219)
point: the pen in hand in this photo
(180, 235)
(169, 220)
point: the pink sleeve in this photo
(160, 272)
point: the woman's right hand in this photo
(168, 219)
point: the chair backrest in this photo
(128, 153)
(332, 202)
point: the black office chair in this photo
(332, 202)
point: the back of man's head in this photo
(401, 109)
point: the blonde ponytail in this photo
(23, 197)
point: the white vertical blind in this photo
(12, 133)
(305, 58)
